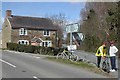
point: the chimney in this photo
(8, 13)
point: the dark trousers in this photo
(113, 62)
(98, 61)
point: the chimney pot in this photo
(8, 13)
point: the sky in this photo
(43, 9)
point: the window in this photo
(23, 31)
(26, 42)
(0, 41)
(46, 43)
(46, 33)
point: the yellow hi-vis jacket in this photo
(101, 51)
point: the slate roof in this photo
(31, 23)
(36, 40)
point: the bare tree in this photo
(61, 21)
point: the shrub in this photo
(29, 48)
(12, 46)
(20, 48)
(34, 49)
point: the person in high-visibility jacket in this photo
(101, 53)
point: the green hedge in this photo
(34, 49)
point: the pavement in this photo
(25, 65)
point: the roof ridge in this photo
(31, 22)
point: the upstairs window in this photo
(23, 31)
(46, 33)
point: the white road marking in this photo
(37, 57)
(36, 77)
(7, 63)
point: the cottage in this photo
(28, 30)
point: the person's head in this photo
(111, 43)
(104, 44)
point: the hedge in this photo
(34, 49)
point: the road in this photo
(18, 65)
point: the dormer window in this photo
(46, 33)
(23, 31)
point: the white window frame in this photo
(24, 42)
(0, 41)
(22, 31)
(49, 43)
(45, 33)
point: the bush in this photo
(30, 48)
(34, 49)
(20, 48)
(12, 46)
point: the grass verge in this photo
(86, 66)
